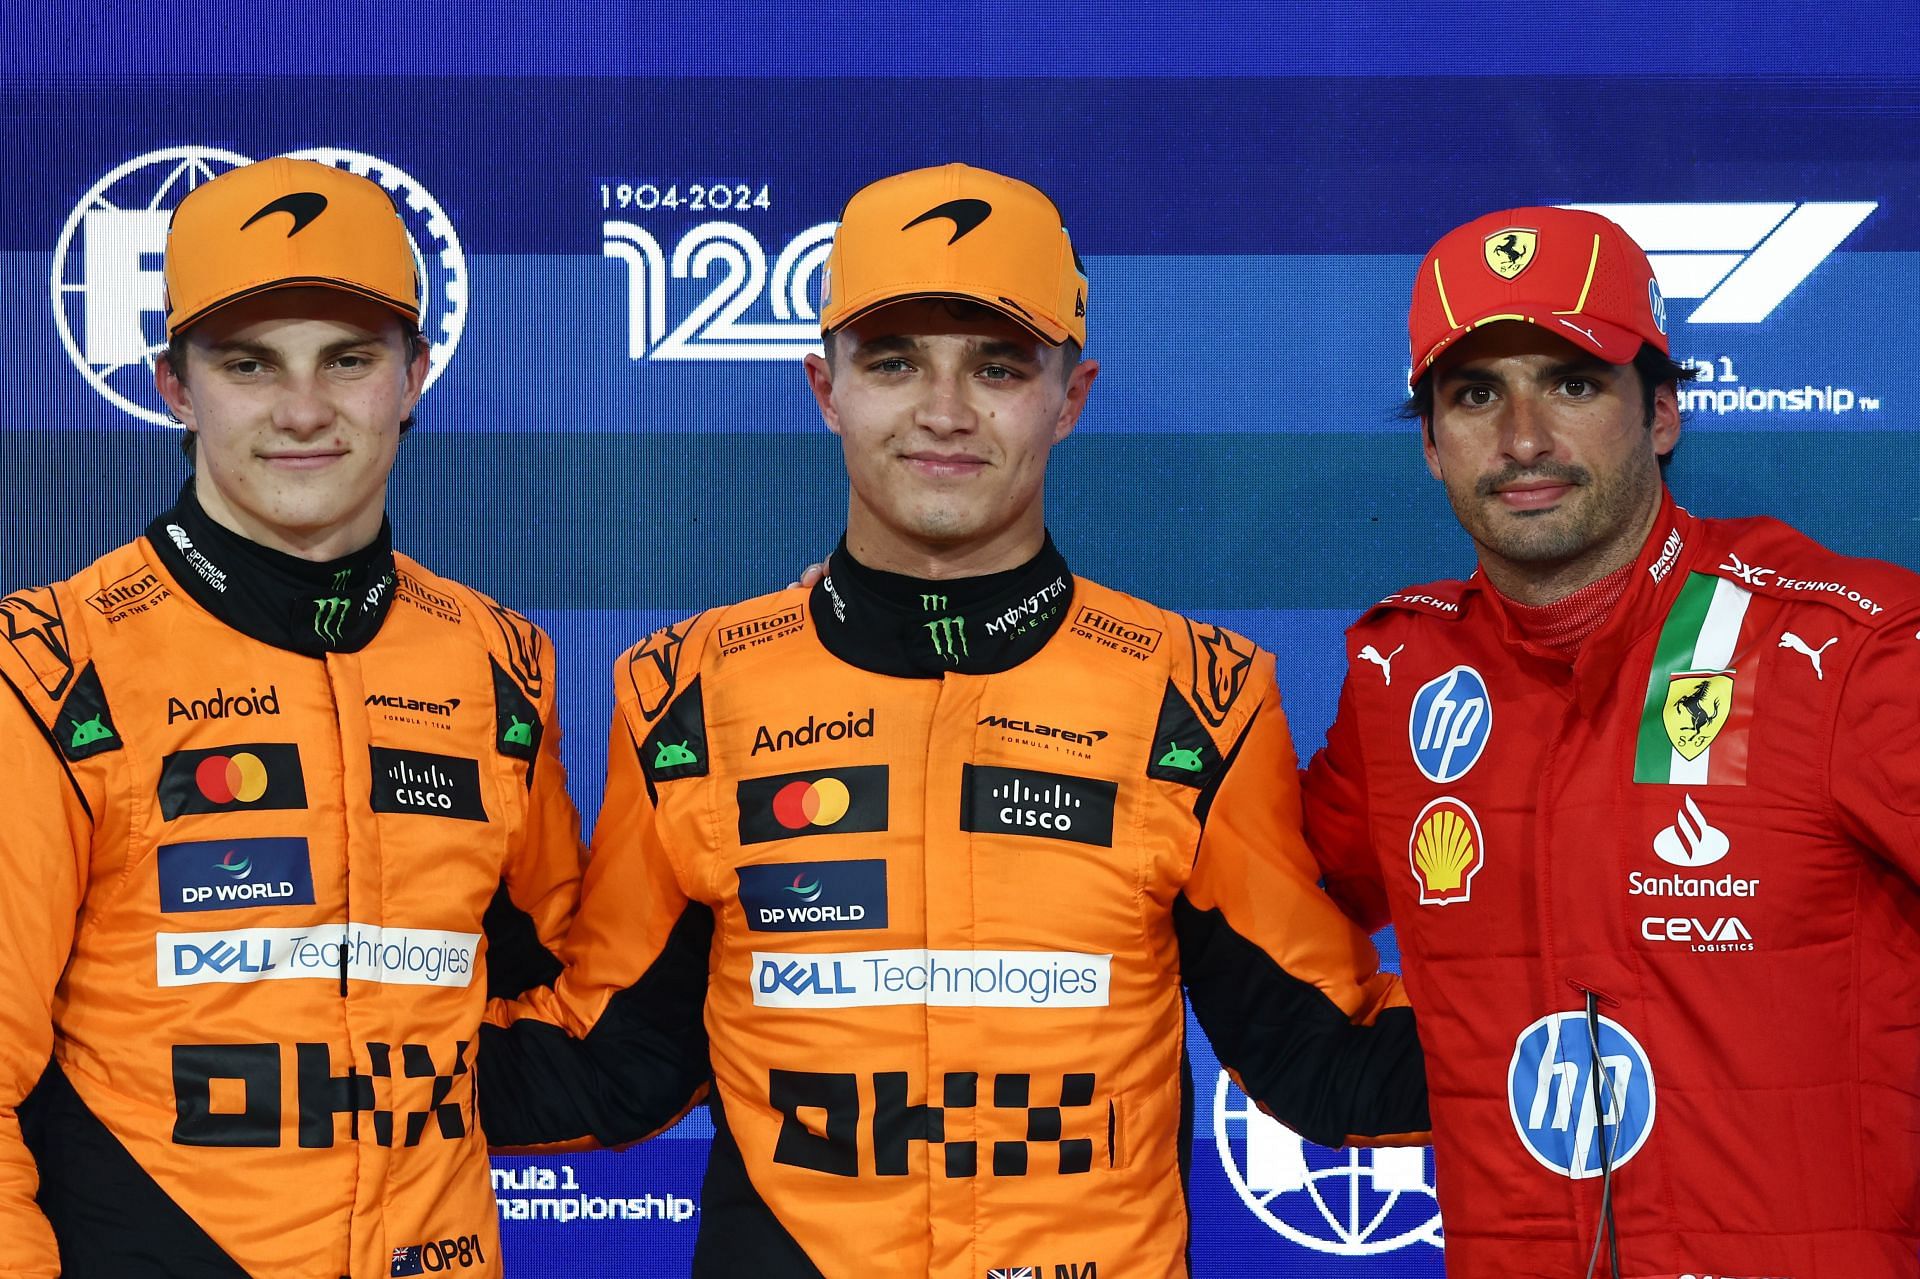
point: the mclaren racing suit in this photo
(265, 853)
(936, 867)
(1707, 825)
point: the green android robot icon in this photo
(672, 754)
(89, 731)
(1178, 757)
(519, 733)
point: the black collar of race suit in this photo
(279, 599)
(896, 625)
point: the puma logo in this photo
(1789, 640)
(1372, 654)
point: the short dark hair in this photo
(410, 337)
(1655, 367)
(961, 309)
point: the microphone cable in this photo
(1606, 1227)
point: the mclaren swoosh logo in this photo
(302, 206)
(964, 214)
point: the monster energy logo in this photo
(949, 638)
(340, 578)
(932, 603)
(329, 616)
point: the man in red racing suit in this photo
(1646, 789)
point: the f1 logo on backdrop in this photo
(1744, 259)
(109, 296)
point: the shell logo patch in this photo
(1445, 852)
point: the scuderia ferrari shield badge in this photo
(1696, 710)
(1510, 251)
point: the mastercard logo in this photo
(239, 778)
(798, 805)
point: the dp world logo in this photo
(1351, 1203)
(109, 296)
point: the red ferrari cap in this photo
(1571, 272)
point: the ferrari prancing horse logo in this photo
(1696, 709)
(1510, 252)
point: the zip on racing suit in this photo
(1707, 821)
(934, 861)
(273, 835)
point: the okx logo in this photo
(109, 296)
(231, 779)
(227, 874)
(1565, 1119)
(1743, 259)
(838, 801)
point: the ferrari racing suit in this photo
(1690, 852)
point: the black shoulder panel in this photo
(676, 746)
(517, 729)
(1183, 751)
(84, 727)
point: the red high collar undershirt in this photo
(1560, 626)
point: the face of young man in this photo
(1548, 457)
(296, 398)
(946, 416)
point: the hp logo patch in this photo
(109, 296)
(1448, 727)
(1349, 1203)
(1550, 1093)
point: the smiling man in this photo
(285, 807)
(925, 853)
(1641, 797)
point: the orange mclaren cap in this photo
(1573, 273)
(282, 223)
(956, 232)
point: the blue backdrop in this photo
(621, 215)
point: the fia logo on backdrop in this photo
(1349, 1203)
(109, 294)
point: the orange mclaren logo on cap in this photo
(285, 223)
(956, 232)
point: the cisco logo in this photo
(109, 294)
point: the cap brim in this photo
(175, 328)
(1610, 342)
(1051, 334)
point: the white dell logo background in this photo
(713, 329)
(1361, 1204)
(109, 295)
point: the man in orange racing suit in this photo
(934, 845)
(283, 805)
